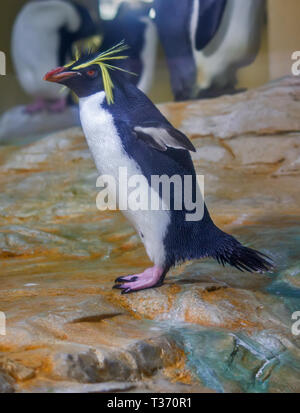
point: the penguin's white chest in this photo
(102, 136)
(109, 155)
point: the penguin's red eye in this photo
(91, 72)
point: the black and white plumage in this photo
(128, 131)
(207, 41)
(42, 37)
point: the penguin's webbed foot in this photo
(150, 278)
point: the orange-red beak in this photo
(58, 75)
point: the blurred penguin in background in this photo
(207, 41)
(134, 25)
(42, 37)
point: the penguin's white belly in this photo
(237, 37)
(109, 155)
(34, 55)
(32, 65)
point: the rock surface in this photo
(17, 126)
(208, 328)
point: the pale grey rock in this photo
(257, 111)
(211, 153)
(16, 370)
(147, 356)
(18, 126)
(82, 367)
(6, 383)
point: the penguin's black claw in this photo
(118, 287)
(127, 291)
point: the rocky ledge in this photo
(208, 328)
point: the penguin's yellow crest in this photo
(102, 60)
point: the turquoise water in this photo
(227, 362)
(260, 361)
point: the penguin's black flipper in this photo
(162, 136)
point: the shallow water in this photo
(237, 361)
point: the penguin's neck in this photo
(130, 104)
(126, 95)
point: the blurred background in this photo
(280, 37)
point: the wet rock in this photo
(81, 341)
(147, 357)
(210, 153)
(258, 111)
(143, 358)
(263, 149)
(16, 370)
(210, 305)
(19, 240)
(81, 367)
(6, 383)
(237, 362)
(18, 126)
(292, 275)
(248, 129)
(208, 328)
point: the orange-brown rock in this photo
(208, 328)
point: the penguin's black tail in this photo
(227, 250)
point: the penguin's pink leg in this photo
(58, 105)
(152, 277)
(37, 106)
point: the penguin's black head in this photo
(89, 74)
(83, 82)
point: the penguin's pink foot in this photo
(58, 106)
(152, 277)
(37, 106)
